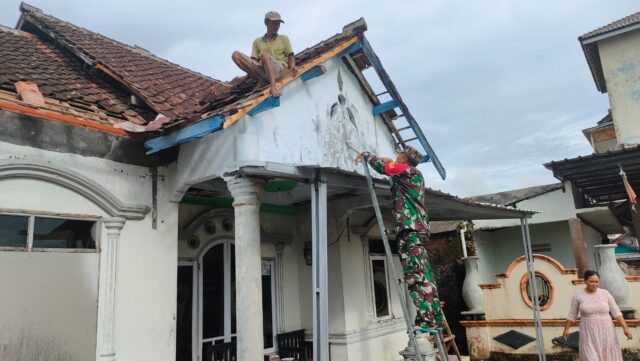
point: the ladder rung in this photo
(383, 93)
(408, 140)
(397, 117)
(449, 338)
(404, 128)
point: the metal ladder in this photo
(399, 288)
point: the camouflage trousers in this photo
(417, 275)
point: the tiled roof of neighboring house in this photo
(166, 87)
(59, 76)
(590, 40)
(512, 197)
(618, 24)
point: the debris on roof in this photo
(165, 87)
(60, 79)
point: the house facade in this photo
(149, 212)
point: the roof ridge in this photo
(12, 30)
(36, 12)
(612, 26)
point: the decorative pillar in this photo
(612, 278)
(471, 291)
(246, 206)
(108, 282)
(578, 245)
(367, 278)
(279, 286)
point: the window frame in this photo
(390, 306)
(66, 216)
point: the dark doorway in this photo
(184, 313)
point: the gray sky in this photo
(498, 86)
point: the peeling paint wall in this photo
(620, 57)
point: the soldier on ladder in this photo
(412, 232)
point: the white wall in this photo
(497, 249)
(301, 131)
(552, 206)
(620, 57)
(146, 299)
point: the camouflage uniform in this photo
(412, 235)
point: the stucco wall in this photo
(315, 125)
(552, 206)
(497, 249)
(620, 57)
(62, 301)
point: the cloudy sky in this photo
(499, 86)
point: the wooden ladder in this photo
(448, 339)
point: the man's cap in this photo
(413, 155)
(273, 15)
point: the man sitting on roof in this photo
(412, 231)
(271, 55)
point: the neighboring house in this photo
(579, 217)
(149, 212)
(559, 230)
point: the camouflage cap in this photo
(413, 155)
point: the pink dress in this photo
(598, 341)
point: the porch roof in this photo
(442, 206)
(597, 175)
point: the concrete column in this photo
(108, 282)
(367, 278)
(279, 286)
(578, 245)
(249, 321)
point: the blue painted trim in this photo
(393, 91)
(381, 108)
(353, 47)
(186, 134)
(314, 72)
(268, 103)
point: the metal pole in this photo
(320, 270)
(387, 250)
(462, 239)
(533, 289)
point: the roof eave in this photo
(592, 56)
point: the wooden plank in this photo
(186, 134)
(314, 72)
(386, 106)
(245, 107)
(354, 47)
(59, 116)
(266, 104)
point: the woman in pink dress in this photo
(598, 341)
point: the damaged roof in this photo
(590, 40)
(166, 104)
(59, 76)
(165, 87)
